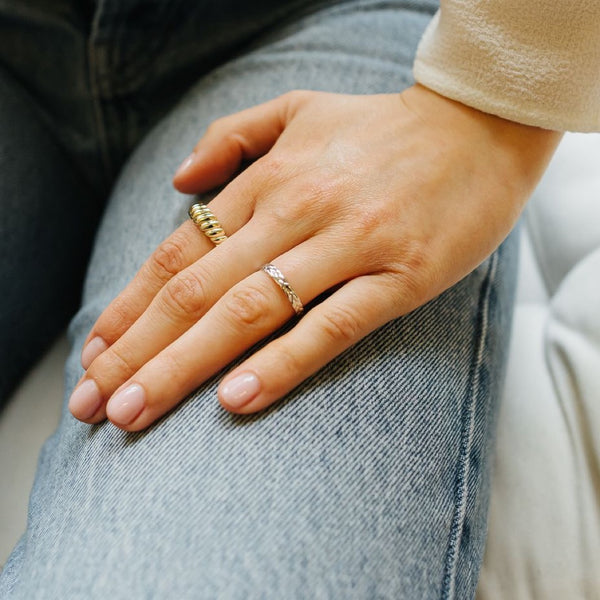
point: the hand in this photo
(393, 198)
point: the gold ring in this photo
(207, 223)
(278, 277)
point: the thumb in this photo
(229, 140)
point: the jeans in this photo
(369, 480)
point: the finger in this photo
(232, 207)
(357, 308)
(252, 309)
(180, 249)
(182, 301)
(230, 140)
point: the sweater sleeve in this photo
(536, 62)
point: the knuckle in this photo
(248, 306)
(290, 98)
(341, 325)
(271, 167)
(235, 139)
(168, 259)
(405, 292)
(116, 319)
(172, 368)
(216, 127)
(321, 191)
(316, 197)
(414, 259)
(115, 361)
(291, 95)
(413, 272)
(297, 96)
(289, 364)
(184, 295)
(414, 254)
(369, 218)
(327, 192)
(234, 144)
(283, 216)
(411, 287)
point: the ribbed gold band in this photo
(207, 223)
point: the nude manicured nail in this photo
(85, 400)
(240, 390)
(126, 405)
(94, 348)
(185, 165)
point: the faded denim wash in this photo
(371, 479)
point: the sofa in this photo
(544, 523)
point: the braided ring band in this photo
(278, 277)
(207, 223)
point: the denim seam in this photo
(95, 92)
(467, 435)
(134, 74)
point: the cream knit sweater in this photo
(532, 61)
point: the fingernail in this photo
(186, 164)
(126, 405)
(240, 390)
(94, 348)
(85, 400)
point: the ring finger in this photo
(247, 313)
(183, 300)
(181, 249)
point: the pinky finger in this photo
(324, 332)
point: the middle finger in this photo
(251, 310)
(182, 301)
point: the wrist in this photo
(521, 151)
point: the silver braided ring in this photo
(207, 223)
(278, 277)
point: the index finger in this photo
(180, 250)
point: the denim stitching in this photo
(462, 478)
(93, 66)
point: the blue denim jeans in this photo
(371, 479)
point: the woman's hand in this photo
(393, 198)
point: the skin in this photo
(393, 198)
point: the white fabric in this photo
(544, 527)
(532, 61)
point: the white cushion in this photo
(544, 526)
